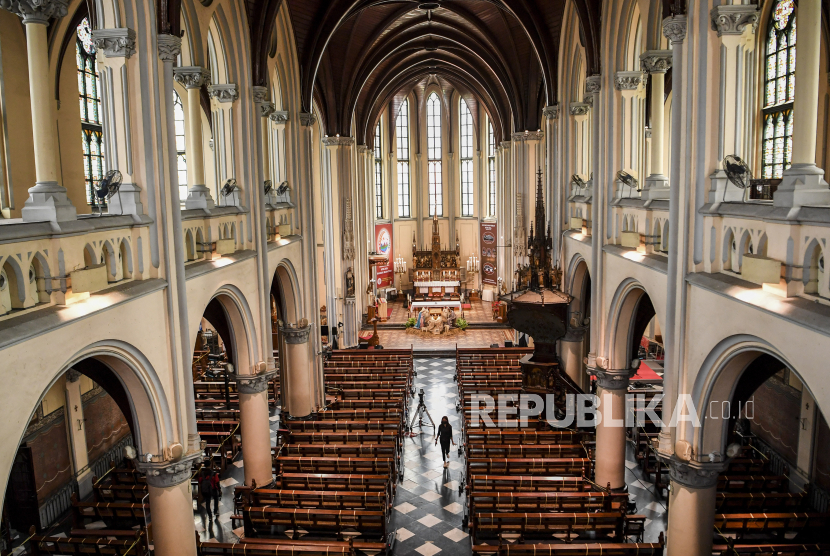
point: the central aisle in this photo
(428, 508)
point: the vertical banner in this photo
(383, 246)
(489, 254)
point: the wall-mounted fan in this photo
(268, 187)
(737, 172)
(283, 188)
(107, 187)
(577, 179)
(627, 179)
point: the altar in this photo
(435, 306)
(435, 270)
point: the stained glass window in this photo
(181, 155)
(779, 90)
(466, 137)
(436, 195)
(491, 170)
(378, 175)
(89, 100)
(402, 142)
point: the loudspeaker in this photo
(508, 344)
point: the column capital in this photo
(628, 80)
(551, 112)
(260, 93)
(279, 116)
(655, 61)
(254, 384)
(363, 149)
(308, 119)
(528, 136)
(674, 28)
(694, 474)
(166, 474)
(294, 335)
(36, 11)
(505, 144)
(578, 108)
(225, 93)
(593, 84)
(170, 46)
(73, 376)
(115, 43)
(734, 19)
(338, 141)
(191, 77)
(265, 109)
(589, 99)
(614, 379)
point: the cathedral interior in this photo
(405, 277)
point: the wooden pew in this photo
(528, 451)
(335, 465)
(286, 547)
(83, 542)
(332, 481)
(746, 502)
(392, 403)
(113, 492)
(570, 525)
(567, 467)
(807, 525)
(344, 426)
(527, 483)
(498, 436)
(750, 483)
(495, 501)
(260, 519)
(771, 550)
(318, 499)
(575, 549)
(111, 513)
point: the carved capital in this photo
(614, 379)
(115, 43)
(363, 149)
(578, 108)
(734, 19)
(674, 28)
(72, 375)
(307, 119)
(338, 141)
(506, 144)
(279, 117)
(655, 61)
(260, 93)
(191, 77)
(169, 473)
(254, 384)
(170, 46)
(589, 99)
(693, 474)
(265, 108)
(551, 112)
(224, 93)
(593, 84)
(36, 11)
(627, 80)
(294, 335)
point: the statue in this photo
(349, 282)
(421, 320)
(435, 324)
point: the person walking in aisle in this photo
(444, 434)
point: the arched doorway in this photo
(576, 343)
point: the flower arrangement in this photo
(461, 323)
(410, 322)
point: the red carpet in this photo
(366, 335)
(389, 313)
(466, 306)
(644, 372)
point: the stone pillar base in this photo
(84, 483)
(656, 187)
(232, 200)
(48, 202)
(126, 201)
(723, 191)
(802, 184)
(198, 197)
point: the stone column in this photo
(675, 30)
(736, 26)
(118, 45)
(593, 84)
(192, 78)
(506, 210)
(223, 96)
(76, 424)
(694, 489)
(47, 199)
(299, 392)
(169, 49)
(555, 202)
(254, 426)
(610, 455)
(656, 63)
(171, 505)
(803, 183)
(571, 350)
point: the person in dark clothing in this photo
(444, 434)
(206, 491)
(217, 491)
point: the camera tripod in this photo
(419, 415)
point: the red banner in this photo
(489, 252)
(383, 246)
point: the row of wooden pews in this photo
(534, 482)
(758, 512)
(335, 474)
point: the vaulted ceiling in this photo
(356, 56)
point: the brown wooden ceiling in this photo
(356, 56)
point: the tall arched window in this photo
(181, 157)
(465, 120)
(402, 140)
(92, 132)
(436, 197)
(779, 90)
(378, 174)
(491, 171)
